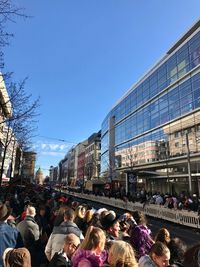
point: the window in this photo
(177, 144)
(176, 134)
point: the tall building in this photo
(39, 177)
(6, 157)
(28, 167)
(154, 129)
(93, 156)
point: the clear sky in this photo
(81, 56)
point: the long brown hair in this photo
(163, 236)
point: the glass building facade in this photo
(158, 121)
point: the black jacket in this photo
(59, 260)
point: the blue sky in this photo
(81, 56)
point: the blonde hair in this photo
(89, 215)
(71, 238)
(94, 237)
(80, 212)
(122, 254)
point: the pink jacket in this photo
(87, 258)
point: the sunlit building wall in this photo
(167, 95)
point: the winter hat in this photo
(4, 212)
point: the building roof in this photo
(180, 41)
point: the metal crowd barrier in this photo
(186, 218)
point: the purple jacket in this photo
(141, 239)
(87, 258)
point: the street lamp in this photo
(189, 165)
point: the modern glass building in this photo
(154, 130)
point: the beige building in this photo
(39, 177)
(28, 167)
(5, 107)
(5, 113)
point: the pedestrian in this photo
(177, 249)
(56, 240)
(192, 256)
(9, 236)
(121, 254)
(30, 233)
(163, 236)
(79, 219)
(19, 257)
(63, 257)
(141, 239)
(159, 256)
(110, 223)
(91, 252)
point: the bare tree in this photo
(20, 125)
(8, 12)
(131, 155)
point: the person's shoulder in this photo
(145, 261)
(59, 260)
(84, 263)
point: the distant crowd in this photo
(43, 228)
(181, 201)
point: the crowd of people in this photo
(182, 201)
(42, 228)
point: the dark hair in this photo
(69, 214)
(177, 249)
(191, 256)
(163, 236)
(139, 217)
(159, 249)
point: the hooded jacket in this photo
(141, 239)
(87, 258)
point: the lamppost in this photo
(189, 165)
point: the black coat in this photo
(59, 260)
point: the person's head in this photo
(124, 226)
(121, 254)
(30, 211)
(110, 223)
(69, 215)
(198, 257)
(163, 236)
(94, 240)
(19, 257)
(71, 244)
(160, 254)
(177, 249)
(42, 210)
(4, 212)
(80, 212)
(88, 215)
(139, 217)
(192, 256)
